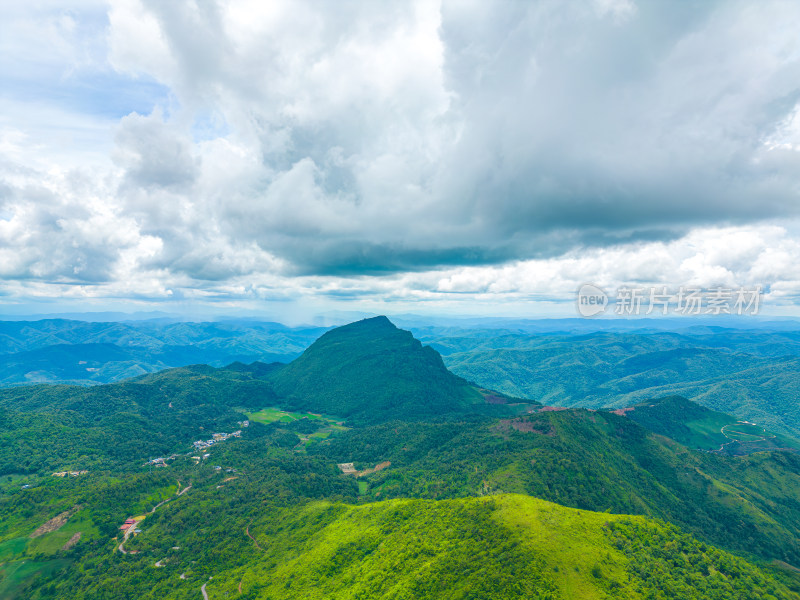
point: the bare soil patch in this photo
(72, 541)
(494, 399)
(55, 523)
(378, 467)
(528, 426)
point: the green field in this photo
(15, 574)
(745, 432)
(53, 542)
(706, 434)
(11, 548)
(310, 428)
(698, 427)
(271, 415)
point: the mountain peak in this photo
(379, 321)
(372, 326)
(371, 371)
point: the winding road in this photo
(761, 439)
(178, 492)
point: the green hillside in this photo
(515, 546)
(371, 371)
(590, 460)
(699, 427)
(47, 428)
(501, 547)
(506, 546)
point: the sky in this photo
(289, 157)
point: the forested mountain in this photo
(506, 546)
(592, 460)
(365, 469)
(371, 371)
(50, 428)
(242, 336)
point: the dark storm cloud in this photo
(359, 258)
(579, 122)
(575, 126)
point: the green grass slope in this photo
(371, 371)
(507, 546)
(767, 394)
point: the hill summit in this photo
(371, 371)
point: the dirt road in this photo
(247, 531)
(178, 492)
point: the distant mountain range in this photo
(88, 353)
(751, 373)
(754, 375)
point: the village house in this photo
(127, 524)
(69, 473)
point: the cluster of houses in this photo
(69, 473)
(126, 527)
(160, 461)
(217, 437)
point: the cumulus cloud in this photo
(59, 230)
(153, 155)
(404, 150)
